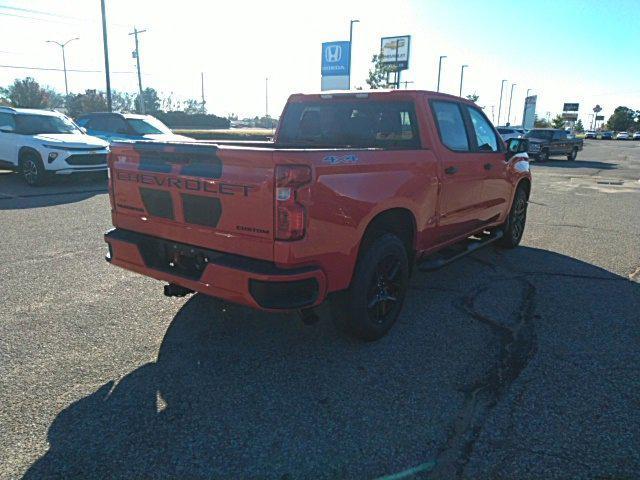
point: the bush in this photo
(191, 120)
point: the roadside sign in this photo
(599, 117)
(395, 51)
(571, 107)
(335, 65)
(529, 116)
(572, 117)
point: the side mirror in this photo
(517, 145)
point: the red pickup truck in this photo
(355, 189)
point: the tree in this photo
(123, 102)
(27, 93)
(151, 101)
(89, 101)
(378, 73)
(192, 106)
(541, 123)
(622, 119)
(557, 122)
(579, 127)
(473, 97)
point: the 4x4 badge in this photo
(337, 159)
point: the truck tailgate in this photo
(220, 198)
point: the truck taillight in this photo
(290, 214)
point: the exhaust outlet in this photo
(173, 290)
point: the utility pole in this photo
(136, 55)
(351, 46)
(510, 98)
(204, 110)
(493, 117)
(106, 54)
(64, 61)
(500, 104)
(461, 77)
(439, 70)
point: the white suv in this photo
(40, 143)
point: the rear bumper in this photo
(256, 283)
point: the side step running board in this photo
(457, 251)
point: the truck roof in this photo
(379, 94)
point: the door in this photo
(461, 174)
(559, 142)
(8, 140)
(490, 152)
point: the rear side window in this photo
(350, 123)
(450, 124)
(7, 120)
(486, 139)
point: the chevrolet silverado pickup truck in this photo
(355, 190)
(545, 142)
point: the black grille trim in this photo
(88, 159)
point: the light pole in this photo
(510, 98)
(500, 103)
(64, 60)
(439, 70)
(461, 77)
(351, 46)
(528, 90)
(266, 97)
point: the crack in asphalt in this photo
(518, 344)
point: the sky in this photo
(583, 51)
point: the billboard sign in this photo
(529, 116)
(572, 117)
(570, 107)
(599, 117)
(335, 65)
(395, 51)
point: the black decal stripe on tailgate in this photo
(194, 160)
(201, 210)
(157, 202)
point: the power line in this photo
(77, 21)
(22, 67)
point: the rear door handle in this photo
(488, 166)
(450, 170)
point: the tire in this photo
(32, 170)
(543, 156)
(513, 229)
(573, 155)
(371, 305)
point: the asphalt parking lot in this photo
(507, 364)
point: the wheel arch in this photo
(27, 150)
(526, 184)
(399, 221)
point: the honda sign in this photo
(336, 58)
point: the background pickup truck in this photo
(545, 142)
(355, 188)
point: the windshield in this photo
(542, 134)
(350, 123)
(36, 124)
(148, 126)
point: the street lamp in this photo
(439, 70)
(500, 103)
(351, 46)
(64, 60)
(510, 98)
(461, 77)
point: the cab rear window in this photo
(347, 124)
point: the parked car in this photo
(591, 134)
(636, 136)
(606, 136)
(546, 142)
(127, 126)
(353, 189)
(509, 132)
(42, 143)
(622, 136)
